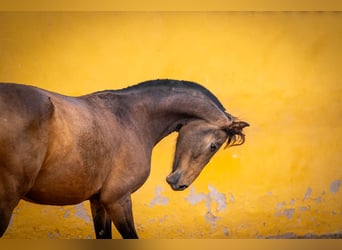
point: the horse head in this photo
(197, 143)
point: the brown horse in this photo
(61, 150)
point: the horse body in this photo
(61, 150)
(74, 165)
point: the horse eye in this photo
(213, 147)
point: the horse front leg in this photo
(101, 220)
(121, 214)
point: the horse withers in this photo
(62, 150)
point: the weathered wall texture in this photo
(281, 72)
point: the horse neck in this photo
(158, 113)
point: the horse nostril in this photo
(182, 187)
(169, 180)
(173, 178)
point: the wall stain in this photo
(54, 235)
(225, 231)
(291, 235)
(292, 202)
(335, 186)
(67, 213)
(318, 200)
(281, 205)
(288, 213)
(218, 197)
(213, 196)
(211, 218)
(303, 209)
(81, 212)
(163, 219)
(231, 198)
(193, 198)
(159, 199)
(307, 193)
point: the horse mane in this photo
(235, 139)
(235, 135)
(170, 83)
(173, 84)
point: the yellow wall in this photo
(281, 72)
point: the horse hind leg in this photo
(17, 174)
(101, 220)
(9, 199)
(5, 216)
(16, 179)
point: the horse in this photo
(62, 150)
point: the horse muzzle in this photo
(173, 180)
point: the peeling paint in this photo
(163, 219)
(292, 202)
(50, 235)
(291, 235)
(213, 195)
(220, 198)
(225, 231)
(159, 199)
(307, 193)
(303, 209)
(67, 213)
(335, 186)
(81, 212)
(231, 198)
(318, 200)
(54, 235)
(288, 213)
(139, 227)
(193, 198)
(212, 219)
(281, 205)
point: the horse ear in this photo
(236, 126)
(239, 125)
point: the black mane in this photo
(169, 83)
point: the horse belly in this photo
(63, 185)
